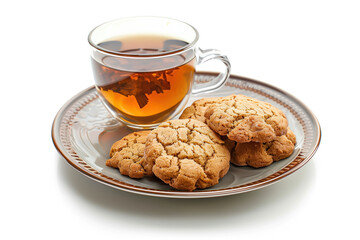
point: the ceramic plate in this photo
(83, 132)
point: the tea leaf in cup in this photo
(111, 45)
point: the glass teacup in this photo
(144, 68)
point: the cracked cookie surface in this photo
(258, 155)
(186, 154)
(245, 119)
(197, 109)
(127, 154)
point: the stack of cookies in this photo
(255, 132)
(195, 151)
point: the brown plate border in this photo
(63, 121)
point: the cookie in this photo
(127, 154)
(186, 154)
(258, 155)
(245, 119)
(197, 109)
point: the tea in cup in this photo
(144, 68)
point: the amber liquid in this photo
(144, 97)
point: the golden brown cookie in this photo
(258, 155)
(245, 119)
(197, 109)
(127, 154)
(186, 154)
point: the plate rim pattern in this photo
(61, 130)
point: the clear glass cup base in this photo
(144, 126)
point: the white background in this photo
(310, 49)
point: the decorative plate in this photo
(83, 132)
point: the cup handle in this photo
(204, 56)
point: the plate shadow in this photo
(243, 210)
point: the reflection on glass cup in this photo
(144, 68)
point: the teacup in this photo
(144, 68)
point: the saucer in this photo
(83, 132)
